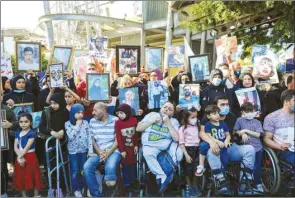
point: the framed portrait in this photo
(153, 58)
(98, 47)
(157, 93)
(189, 96)
(128, 59)
(36, 119)
(56, 75)
(226, 49)
(200, 67)
(21, 108)
(249, 95)
(98, 87)
(175, 56)
(4, 133)
(130, 96)
(62, 54)
(265, 69)
(28, 56)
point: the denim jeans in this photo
(77, 162)
(236, 153)
(110, 171)
(257, 168)
(129, 173)
(287, 156)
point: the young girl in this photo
(128, 143)
(189, 143)
(77, 131)
(27, 174)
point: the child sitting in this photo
(218, 132)
(189, 143)
(127, 139)
(250, 130)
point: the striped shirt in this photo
(104, 134)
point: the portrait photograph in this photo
(4, 133)
(6, 67)
(200, 67)
(226, 49)
(249, 95)
(265, 69)
(157, 93)
(62, 54)
(98, 87)
(98, 47)
(175, 56)
(28, 56)
(128, 59)
(153, 59)
(130, 96)
(56, 75)
(189, 96)
(22, 108)
(36, 119)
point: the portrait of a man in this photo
(98, 46)
(200, 67)
(153, 58)
(189, 95)
(62, 55)
(28, 56)
(56, 75)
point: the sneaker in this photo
(259, 188)
(200, 170)
(187, 191)
(78, 193)
(244, 190)
(166, 183)
(196, 191)
(4, 195)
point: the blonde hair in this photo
(124, 80)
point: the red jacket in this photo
(127, 138)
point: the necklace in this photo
(18, 100)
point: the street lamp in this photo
(214, 33)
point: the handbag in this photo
(166, 162)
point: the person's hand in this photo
(135, 150)
(91, 154)
(54, 134)
(285, 146)
(166, 119)
(214, 148)
(220, 144)
(124, 154)
(52, 90)
(10, 102)
(31, 72)
(105, 156)
(227, 143)
(6, 124)
(188, 159)
(157, 118)
(64, 86)
(241, 132)
(69, 74)
(79, 122)
(245, 138)
(178, 108)
(21, 161)
(139, 112)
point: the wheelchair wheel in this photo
(271, 172)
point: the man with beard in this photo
(102, 148)
(188, 100)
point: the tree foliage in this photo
(206, 15)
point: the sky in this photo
(13, 14)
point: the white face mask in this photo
(225, 73)
(250, 115)
(193, 121)
(216, 81)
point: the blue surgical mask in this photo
(237, 73)
(216, 81)
(19, 91)
(224, 110)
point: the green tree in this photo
(206, 15)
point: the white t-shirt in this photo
(24, 66)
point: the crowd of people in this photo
(218, 130)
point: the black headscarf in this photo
(60, 116)
(14, 80)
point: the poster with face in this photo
(28, 56)
(265, 65)
(6, 68)
(62, 54)
(98, 47)
(153, 58)
(36, 119)
(56, 75)
(98, 87)
(175, 56)
(21, 108)
(226, 49)
(200, 67)
(189, 96)
(130, 96)
(157, 93)
(128, 59)
(249, 95)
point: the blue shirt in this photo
(23, 139)
(217, 132)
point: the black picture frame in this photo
(119, 59)
(53, 60)
(4, 133)
(206, 71)
(89, 84)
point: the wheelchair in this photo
(276, 174)
(145, 176)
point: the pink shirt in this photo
(189, 136)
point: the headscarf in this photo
(126, 109)
(60, 116)
(75, 109)
(4, 79)
(14, 80)
(59, 99)
(215, 72)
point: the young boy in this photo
(218, 132)
(250, 130)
